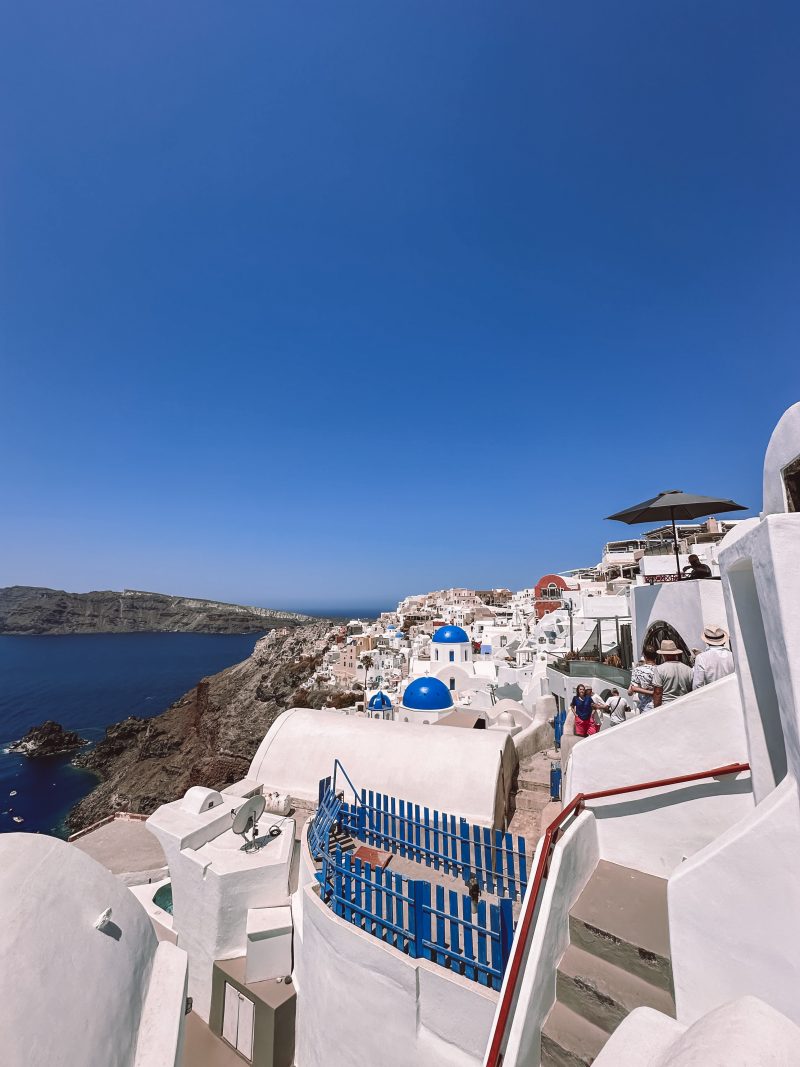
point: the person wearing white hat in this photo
(672, 678)
(717, 660)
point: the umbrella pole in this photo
(675, 544)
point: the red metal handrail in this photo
(495, 1057)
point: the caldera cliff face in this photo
(209, 736)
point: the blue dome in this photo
(451, 635)
(379, 702)
(427, 694)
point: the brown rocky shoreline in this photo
(207, 737)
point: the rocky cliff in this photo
(29, 610)
(48, 739)
(209, 736)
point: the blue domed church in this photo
(450, 644)
(380, 706)
(425, 700)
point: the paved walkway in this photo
(201, 1048)
(123, 847)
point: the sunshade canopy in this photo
(675, 504)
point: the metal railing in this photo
(585, 668)
(572, 810)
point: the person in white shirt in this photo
(616, 707)
(717, 660)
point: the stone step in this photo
(534, 785)
(621, 916)
(604, 993)
(529, 801)
(569, 1040)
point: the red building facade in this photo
(548, 594)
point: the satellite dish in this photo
(246, 819)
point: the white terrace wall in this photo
(734, 916)
(761, 576)
(417, 1015)
(686, 606)
(574, 859)
(72, 994)
(655, 830)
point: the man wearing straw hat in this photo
(717, 660)
(672, 678)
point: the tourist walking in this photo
(583, 706)
(717, 660)
(641, 685)
(672, 678)
(616, 708)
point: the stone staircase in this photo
(617, 960)
(533, 808)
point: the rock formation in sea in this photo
(48, 739)
(30, 610)
(210, 735)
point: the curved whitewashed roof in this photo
(72, 992)
(448, 769)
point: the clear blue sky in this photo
(325, 303)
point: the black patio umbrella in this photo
(674, 504)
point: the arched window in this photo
(662, 631)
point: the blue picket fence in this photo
(421, 920)
(446, 928)
(441, 841)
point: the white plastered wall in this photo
(574, 859)
(417, 1014)
(686, 606)
(653, 831)
(70, 993)
(211, 900)
(761, 576)
(734, 916)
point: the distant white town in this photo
(553, 826)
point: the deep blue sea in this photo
(86, 683)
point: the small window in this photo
(452, 685)
(464, 653)
(437, 653)
(791, 485)
(452, 656)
